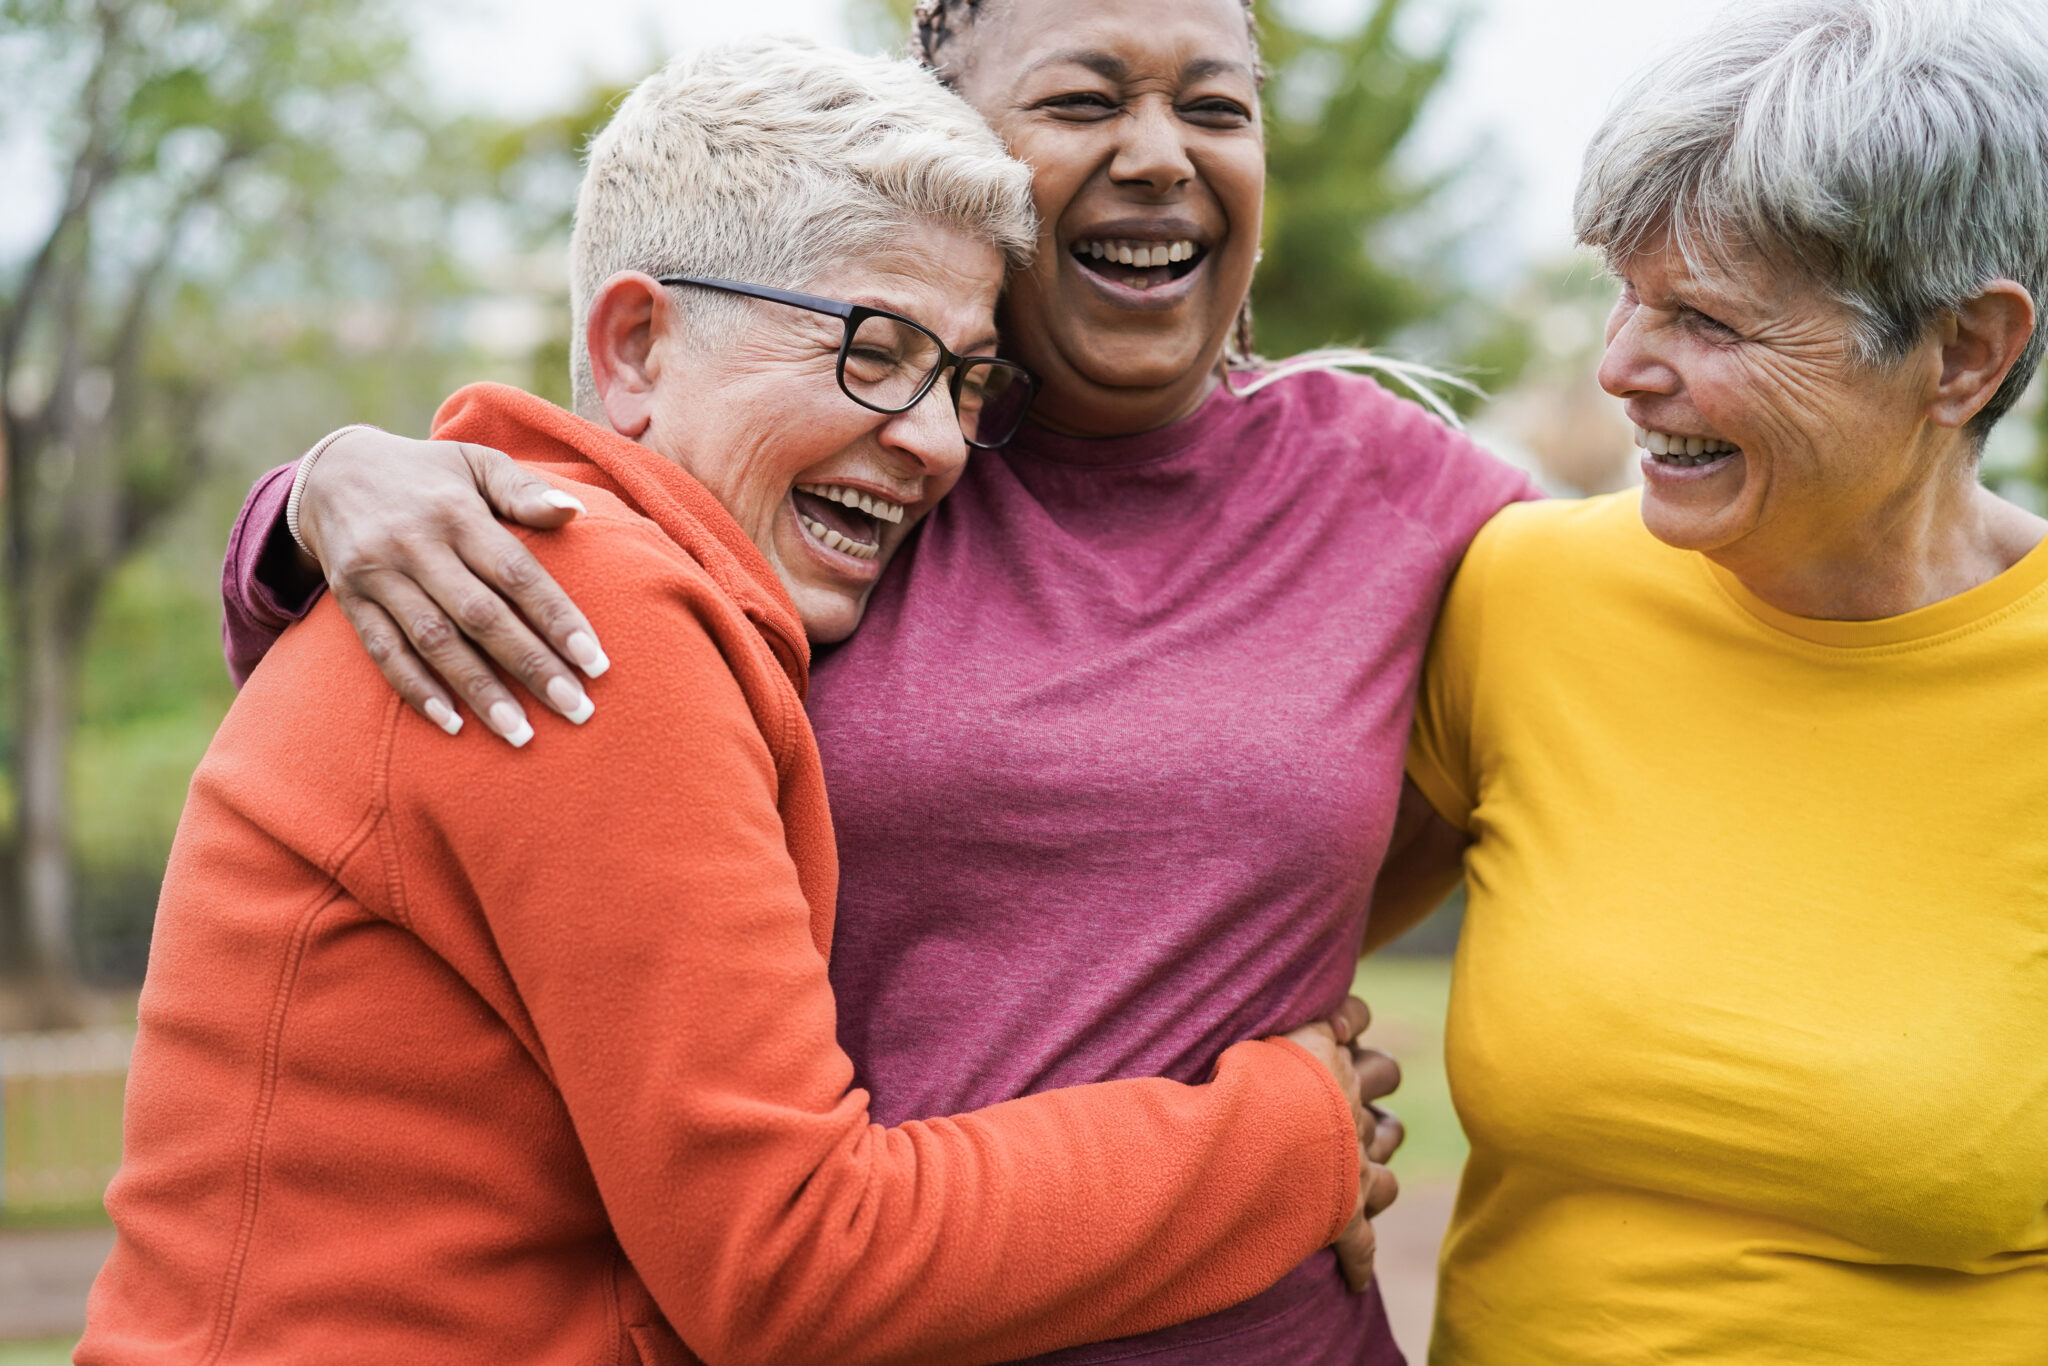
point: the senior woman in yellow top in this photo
(1750, 1020)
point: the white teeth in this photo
(1683, 450)
(854, 498)
(1144, 255)
(833, 540)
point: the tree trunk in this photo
(46, 647)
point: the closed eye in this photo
(1217, 111)
(1081, 103)
(1705, 323)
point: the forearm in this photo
(265, 585)
(1424, 862)
(1062, 1218)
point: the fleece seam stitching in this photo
(266, 1096)
(387, 846)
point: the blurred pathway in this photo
(1409, 1235)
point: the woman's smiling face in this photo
(1765, 436)
(1140, 121)
(827, 490)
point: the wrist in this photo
(294, 502)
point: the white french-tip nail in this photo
(583, 648)
(570, 700)
(511, 724)
(443, 715)
(555, 498)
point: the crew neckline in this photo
(1969, 608)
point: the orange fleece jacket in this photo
(451, 1052)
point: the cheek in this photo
(1061, 161)
(1237, 177)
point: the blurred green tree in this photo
(1356, 245)
(1340, 109)
(219, 168)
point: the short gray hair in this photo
(772, 160)
(1897, 150)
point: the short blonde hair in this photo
(772, 160)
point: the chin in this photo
(829, 617)
(1139, 359)
(1700, 513)
(1685, 526)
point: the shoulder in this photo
(1352, 427)
(1570, 538)
(645, 593)
(610, 541)
(1543, 572)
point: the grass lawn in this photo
(44, 1352)
(60, 1142)
(1407, 996)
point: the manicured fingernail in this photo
(555, 498)
(570, 700)
(511, 723)
(443, 715)
(589, 658)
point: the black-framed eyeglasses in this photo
(888, 363)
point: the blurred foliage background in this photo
(266, 228)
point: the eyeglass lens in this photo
(993, 401)
(887, 360)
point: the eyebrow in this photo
(1111, 67)
(1202, 68)
(1107, 65)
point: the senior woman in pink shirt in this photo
(1115, 756)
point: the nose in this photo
(1152, 152)
(928, 435)
(1632, 363)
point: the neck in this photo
(1070, 404)
(1947, 541)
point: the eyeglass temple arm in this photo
(836, 308)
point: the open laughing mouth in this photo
(1137, 263)
(845, 519)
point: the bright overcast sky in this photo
(1533, 78)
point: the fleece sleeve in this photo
(648, 911)
(254, 610)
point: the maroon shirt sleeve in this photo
(261, 587)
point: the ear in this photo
(630, 317)
(1981, 342)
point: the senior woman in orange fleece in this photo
(466, 1053)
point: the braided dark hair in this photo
(935, 23)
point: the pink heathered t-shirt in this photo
(1113, 761)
